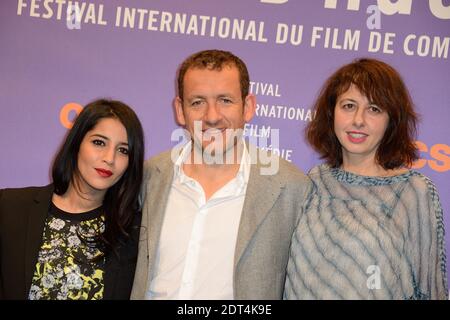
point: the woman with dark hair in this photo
(372, 228)
(77, 237)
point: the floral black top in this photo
(64, 270)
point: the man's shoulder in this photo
(281, 168)
(162, 159)
(288, 168)
(292, 176)
(284, 174)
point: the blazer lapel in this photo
(157, 196)
(35, 228)
(262, 192)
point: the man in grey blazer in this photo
(218, 214)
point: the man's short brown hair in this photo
(214, 60)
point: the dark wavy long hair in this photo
(120, 203)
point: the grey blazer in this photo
(272, 207)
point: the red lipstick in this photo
(356, 137)
(104, 173)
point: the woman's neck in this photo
(370, 168)
(78, 201)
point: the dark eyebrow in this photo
(349, 99)
(106, 138)
(100, 136)
(196, 97)
(221, 95)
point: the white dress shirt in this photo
(195, 254)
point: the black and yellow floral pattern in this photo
(65, 270)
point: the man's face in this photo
(212, 104)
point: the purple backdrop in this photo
(44, 65)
